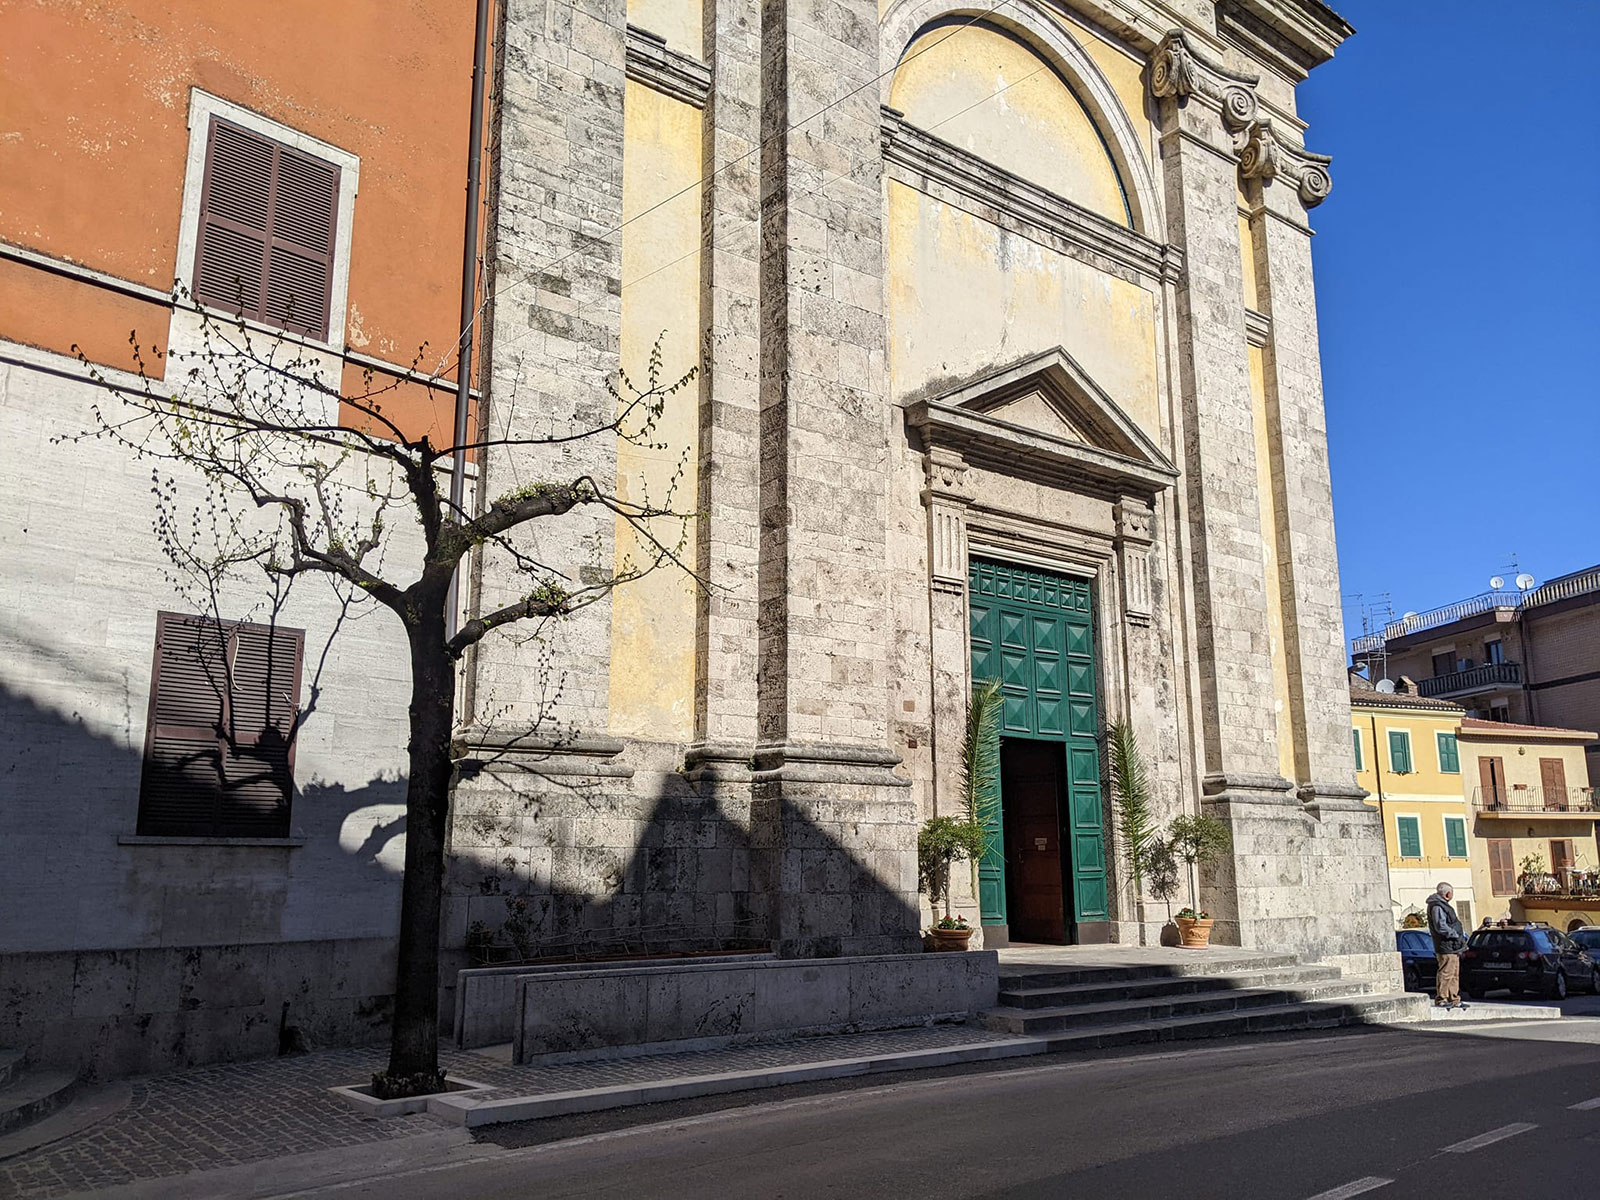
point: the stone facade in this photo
(1073, 332)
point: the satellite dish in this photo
(1407, 616)
(1496, 582)
(1524, 582)
(1386, 686)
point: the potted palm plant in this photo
(1197, 840)
(944, 841)
(1152, 863)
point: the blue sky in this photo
(1458, 285)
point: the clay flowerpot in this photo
(1192, 932)
(951, 939)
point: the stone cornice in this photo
(1290, 36)
(651, 63)
(938, 168)
(1182, 72)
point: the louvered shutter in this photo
(1502, 876)
(219, 754)
(257, 757)
(267, 223)
(183, 761)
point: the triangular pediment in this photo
(1046, 416)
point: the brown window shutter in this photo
(219, 752)
(1553, 779)
(258, 755)
(267, 221)
(1502, 873)
(1560, 858)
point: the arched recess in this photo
(905, 19)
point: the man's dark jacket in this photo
(1445, 926)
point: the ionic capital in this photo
(1181, 71)
(1263, 156)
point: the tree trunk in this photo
(414, 1046)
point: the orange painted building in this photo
(98, 103)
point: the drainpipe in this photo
(469, 295)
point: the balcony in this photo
(1486, 678)
(1536, 802)
(1566, 888)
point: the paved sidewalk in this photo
(210, 1118)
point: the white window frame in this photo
(1399, 844)
(1411, 751)
(1444, 825)
(1438, 750)
(202, 107)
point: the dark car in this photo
(1526, 958)
(1417, 961)
(1588, 939)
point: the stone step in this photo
(1018, 975)
(1037, 1022)
(1381, 1008)
(1091, 993)
(33, 1095)
(10, 1066)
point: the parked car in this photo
(1417, 961)
(1588, 939)
(1526, 958)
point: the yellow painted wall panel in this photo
(993, 96)
(1283, 711)
(679, 21)
(653, 618)
(966, 297)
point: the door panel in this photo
(1034, 631)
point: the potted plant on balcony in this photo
(944, 841)
(1199, 841)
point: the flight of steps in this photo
(29, 1095)
(1087, 1007)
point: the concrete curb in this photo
(359, 1097)
(465, 1110)
(1481, 1010)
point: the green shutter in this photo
(1356, 734)
(1399, 752)
(1449, 756)
(1410, 837)
(1455, 836)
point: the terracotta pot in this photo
(1194, 932)
(951, 939)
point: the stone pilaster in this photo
(1308, 561)
(841, 829)
(946, 496)
(729, 502)
(1202, 106)
(555, 269)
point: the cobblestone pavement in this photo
(213, 1117)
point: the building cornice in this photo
(1289, 36)
(651, 62)
(947, 172)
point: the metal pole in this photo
(469, 296)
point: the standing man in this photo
(1449, 940)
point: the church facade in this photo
(1008, 359)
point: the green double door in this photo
(1034, 631)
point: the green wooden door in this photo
(1034, 631)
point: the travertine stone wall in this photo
(1235, 666)
(729, 529)
(824, 591)
(1309, 564)
(555, 275)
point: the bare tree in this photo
(264, 473)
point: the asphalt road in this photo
(1391, 1113)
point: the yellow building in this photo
(1534, 855)
(1408, 760)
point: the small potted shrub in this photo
(1199, 841)
(942, 842)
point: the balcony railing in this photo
(1581, 584)
(1566, 886)
(1579, 801)
(1473, 679)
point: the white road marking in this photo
(1354, 1188)
(1488, 1139)
(1583, 1105)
